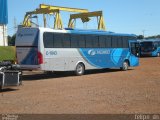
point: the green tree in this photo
(140, 37)
(11, 40)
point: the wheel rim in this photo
(80, 69)
(125, 66)
(137, 54)
(158, 54)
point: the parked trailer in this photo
(9, 75)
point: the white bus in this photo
(73, 50)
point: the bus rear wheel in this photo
(125, 66)
(0, 85)
(158, 54)
(80, 69)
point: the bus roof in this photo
(101, 32)
(80, 31)
(150, 40)
(86, 31)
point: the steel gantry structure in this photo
(85, 17)
(83, 14)
(47, 9)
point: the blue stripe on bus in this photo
(106, 58)
(154, 53)
(31, 57)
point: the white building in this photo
(3, 22)
(3, 35)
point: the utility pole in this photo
(143, 31)
(15, 25)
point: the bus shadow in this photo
(148, 57)
(45, 76)
(7, 90)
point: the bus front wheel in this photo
(125, 66)
(158, 54)
(80, 69)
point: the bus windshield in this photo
(147, 44)
(135, 48)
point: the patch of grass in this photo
(7, 53)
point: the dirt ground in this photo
(102, 92)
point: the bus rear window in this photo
(27, 37)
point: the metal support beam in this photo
(88, 14)
(63, 8)
(26, 21)
(58, 21)
(44, 20)
(85, 18)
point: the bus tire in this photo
(80, 69)
(158, 54)
(125, 66)
(0, 85)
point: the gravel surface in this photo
(98, 92)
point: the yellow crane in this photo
(83, 14)
(85, 17)
(47, 9)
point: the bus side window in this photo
(119, 42)
(108, 41)
(48, 40)
(156, 45)
(81, 41)
(114, 42)
(125, 42)
(89, 41)
(102, 42)
(66, 41)
(95, 42)
(74, 41)
(58, 40)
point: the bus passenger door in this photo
(134, 53)
(135, 48)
